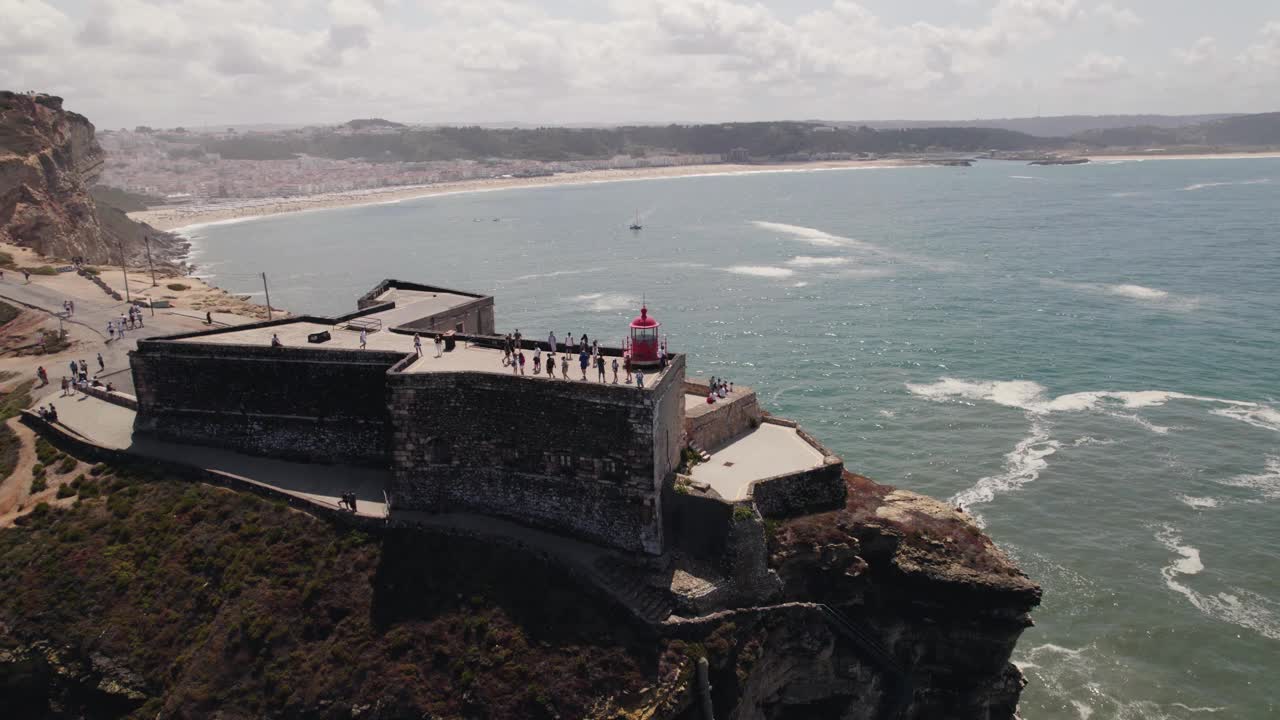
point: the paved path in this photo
(111, 426)
(93, 309)
(767, 451)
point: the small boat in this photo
(635, 224)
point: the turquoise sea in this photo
(1084, 356)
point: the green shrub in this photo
(743, 512)
(6, 259)
(45, 451)
(37, 470)
(98, 469)
(42, 270)
(65, 491)
(8, 312)
(177, 286)
(67, 464)
(39, 485)
(92, 270)
(88, 489)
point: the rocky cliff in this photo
(49, 159)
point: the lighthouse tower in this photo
(644, 339)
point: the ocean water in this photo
(1084, 356)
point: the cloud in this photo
(1116, 18)
(1201, 52)
(1096, 67)
(128, 62)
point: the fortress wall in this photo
(297, 403)
(572, 457)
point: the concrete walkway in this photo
(765, 452)
(111, 426)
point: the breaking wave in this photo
(821, 238)
(765, 271)
(1204, 185)
(1259, 416)
(809, 261)
(813, 236)
(1022, 465)
(1266, 482)
(1141, 293)
(605, 302)
(559, 273)
(1238, 607)
(1199, 503)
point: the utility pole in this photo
(147, 239)
(266, 292)
(127, 298)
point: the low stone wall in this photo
(810, 491)
(711, 425)
(115, 398)
(813, 490)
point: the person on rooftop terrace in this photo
(564, 365)
(439, 345)
(583, 361)
(364, 338)
(615, 371)
(551, 341)
(537, 361)
(551, 363)
(417, 344)
(275, 340)
(600, 368)
(639, 379)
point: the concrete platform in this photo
(765, 452)
(111, 426)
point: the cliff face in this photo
(941, 605)
(48, 161)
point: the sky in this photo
(219, 62)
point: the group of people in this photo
(69, 307)
(590, 356)
(49, 413)
(347, 501)
(718, 389)
(417, 343)
(131, 321)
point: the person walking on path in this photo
(101, 365)
(615, 371)
(66, 386)
(583, 361)
(84, 370)
(439, 346)
(364, 338)
(71, 305)
(111, 331)
(75, 369)
(417, 344)
(44, 376)
(208, 317)
(26, 276)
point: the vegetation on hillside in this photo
(191, 601)
(762, 139)
(11, 403)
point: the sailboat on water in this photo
(635, 224)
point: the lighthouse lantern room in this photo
(644, 339)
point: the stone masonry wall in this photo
(711, 425)
(573, 457)
(476, 318)
(298, 403)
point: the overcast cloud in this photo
(212, 62)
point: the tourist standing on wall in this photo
(564, 365)
(615, 371)
(600, 368)
(583, 361)
(537, 361)
(439, 345)
(626, 364)
(520, 357)
(518, 338)
(639, 378)
(568, 343)
(364, 338)
(551, 363)
(551, 341)
(417, 344)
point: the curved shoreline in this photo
(187, 217)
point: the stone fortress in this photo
(653, 472)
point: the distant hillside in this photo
(1054, 126)
(361, 124)
(1260, 130)
(763, 141)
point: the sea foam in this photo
(1130, 291)
(1022, 465)
(809, 261)
(764, 271)
(1239, 607)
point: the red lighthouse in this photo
(644, 339)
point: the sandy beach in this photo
(1184, 156)
(177, 217)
